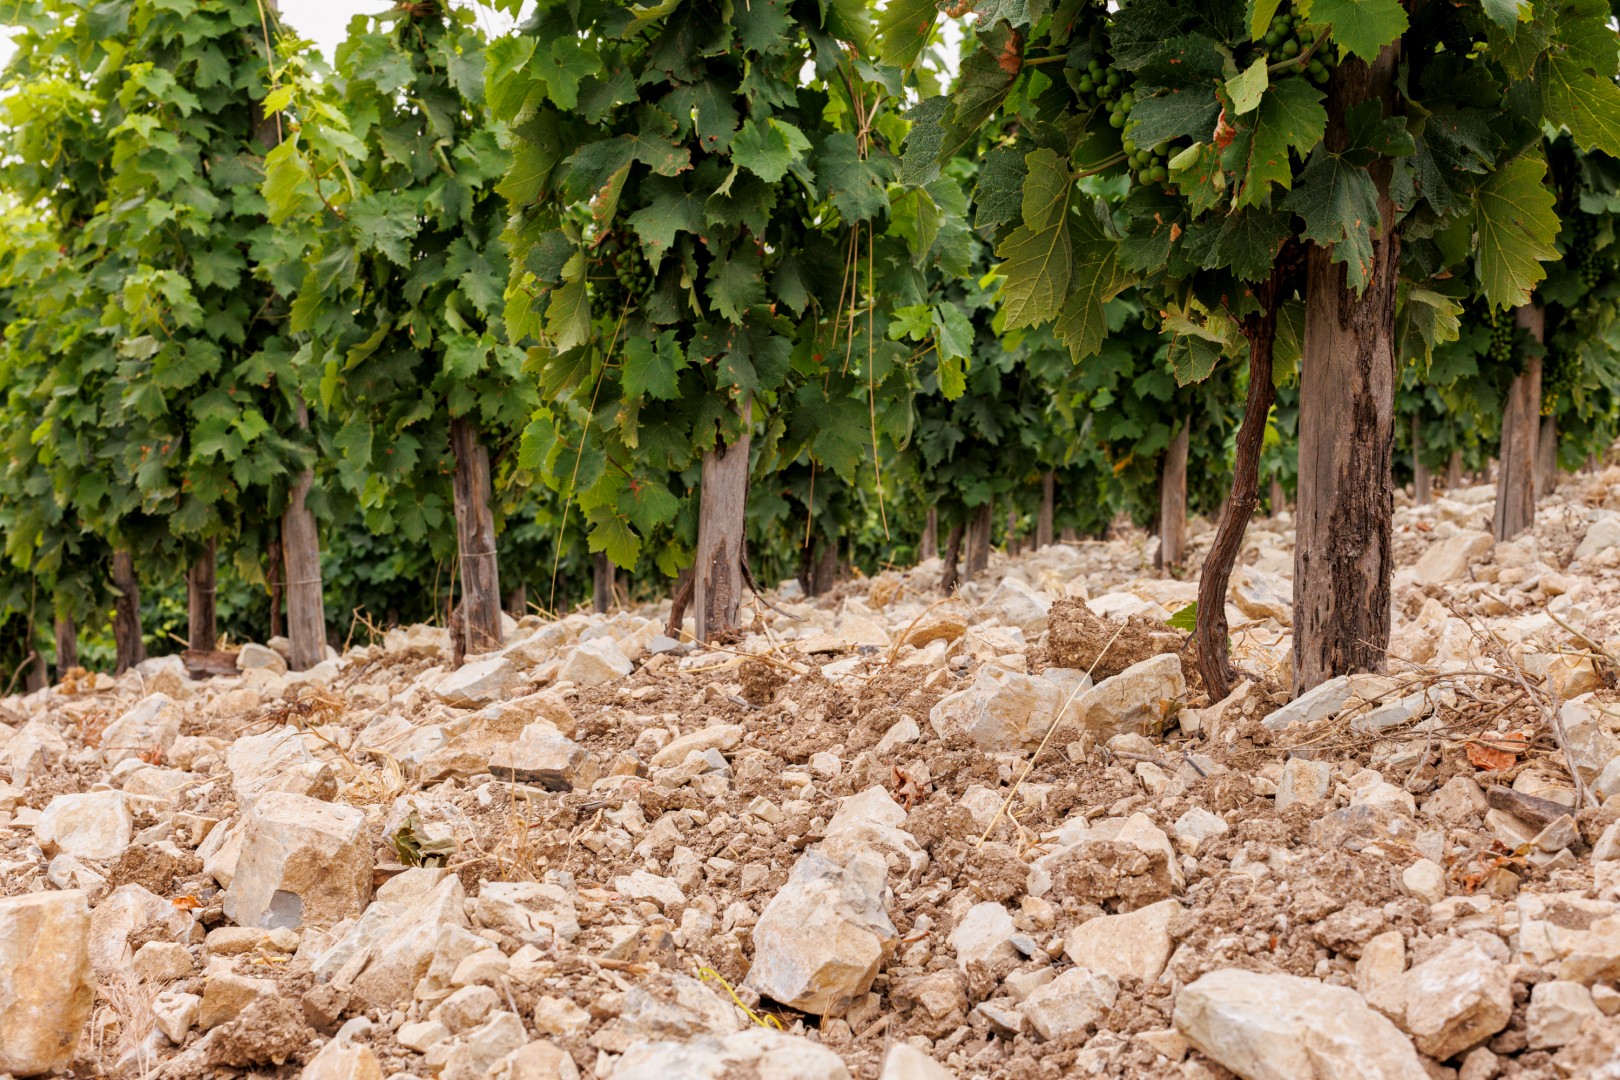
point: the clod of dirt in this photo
(1076, 637)
(269, 1032)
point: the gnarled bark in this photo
(1342, 557)
(1521, 427)
(980, 526)
(950, 577)
(1043, 520)
(475, 540)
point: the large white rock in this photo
(276, 760)
(1260, 595)
(1590, 742)
(339, 1060)
(1601, 535)
(1136, 700)
(982, 936)
(254, 656)
(1448, 560)
(35, 748)
(1137, 943)
(388, 950)
(479, 683)
(1558, 1010)
(91, 825)
(1000, 710)
(528, 910)
(46, 987)
(819, 942)
(1072, 1002)
(756, 1052)
(149, 728)
(1014, 603)
(1283, 1027)
(595, 663)
(1454, 999)
(906, 1062)
(872, 819)
(1325, 699)
(129, 912)
(542, 755)
(303, 862)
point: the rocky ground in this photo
(884, 835)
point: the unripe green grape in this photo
(1114, 79)
(1116, 119)
(1086, 86)
(1159, 174)
(1290, 48)
(1127, 101)
(1105, 91)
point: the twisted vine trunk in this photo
(1214, 655)
(1521, 424)
(129, 649)
(517, 601)
(1173, 499)
(1015, 543)
(475, 541)
(718, 577)
(1422, 479)
(1043, 520)
(1342, 556)
(202, 624)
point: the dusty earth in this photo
(856, 843)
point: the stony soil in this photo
(854, 844)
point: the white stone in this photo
(1260, 595)
(756, 1052)
(1000, 710)
(1558, 1010)
(91, 825)
(46, 986)
(478, 683)
(303, 862)
(1072, 1002)
(1589, 739)
(254, 656)
(528, 910)
(1602, 535)
(542, 755)
(872, 819)
(906, 1062)
(714, 737)
(1323, 700)
(149, 728)
(595, 663)
(1426, 880)
(1014, 603)
(389, 949)
(1136, 943)
(1283, 1027)
(1451, 1001)
(176, 1012)
(1303, 780)
(982, 936)
(539, 1060)
(341, 1060)
(1196, 826)
(276, 760)
(819, 942)
(1448, 560)
(1134, 701)
(1381, 959)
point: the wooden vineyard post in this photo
(1043, 520)
(1343, 556)
(202, 625)
(1173, 502)
(1422, 480)
(722, 531)
(602, 576)
(475, 541)
(1521, 427)
(129, 648)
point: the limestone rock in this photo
(1137, 943)
(133, 912)
(176, 1013)
(1196, 826)
(46, 986)
(1303, 780)
(1260, 595)
(714, 737)
(1557, 1012)
(542, 755)
(472, 1053)
(91, 825)
(1325, 699)
(36, 747)
(1426, 880)
(1448, 560)
(982, 936)
(1283, 1027)
(1001, 710)
(1602, 535)
(389, 949)
(872, 819)
(667, 1006)
(539, 1060)
(303, 862)
(340, 1061)
(276, 760)
(227, 995)
(757, 1052)
(528, 910)
(253, 656)
(147, 729)
(906, 1062)
(1136, 700)
(1014, 603)
(1456, 998)
(595, 663)
(479, 683)
(1070, 1003)
(1590, 742)
(819, 942)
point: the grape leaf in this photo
(652, 367)
(1290, 116)
(904, 28)
(1174, 114)
(1587, 104)
(1247, 87)
(1083, 324)
(953, 333)
(1186, 619)
(1361, 27)
(1037, 255)
(671, 210)
(1507, 14)
(856, 185)
(1339, 204)
(1245, 241)
(768, 150)
(1000, 187)
(1516, 227)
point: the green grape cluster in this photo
(1559, 371)
(620, 271)
(1104, 86)
(1288, 36)
(1150, 164)
(1503, 338)
(1584, 253)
